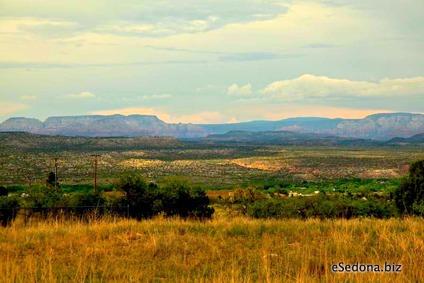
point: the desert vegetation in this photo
(220, 214)
(225, 249)
(133, 197)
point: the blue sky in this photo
(211, 61)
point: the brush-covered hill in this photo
(21, 141)
(414, 140)
(284, 138)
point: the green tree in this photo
(179, 199)
(409, 197)
(139, 196)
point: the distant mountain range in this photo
(381, 127)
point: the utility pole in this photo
(96, 156)
(55, 173)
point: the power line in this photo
(55, 172)
(96, 157)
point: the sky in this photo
(211, 61)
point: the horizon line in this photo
(246, 121)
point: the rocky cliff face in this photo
(102, 126)
(378, 126)
(22, 125)
(382, 126)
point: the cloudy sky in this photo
(211, 61)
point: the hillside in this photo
(377, 127)
(284, 138)
(20, 141)
(414, 140)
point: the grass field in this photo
(211, 168)
(221, 250)
(230, 247)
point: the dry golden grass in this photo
(221, 250)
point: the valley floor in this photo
(221, 250)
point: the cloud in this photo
(228, 56)
(28, 97)
(42, 65)
(251, 56)
(157, 96)
(146, 18)
(134, 110)
(249, 112)
(315, 87)
(276, 111)
(82, 95)
(205, 117)
(319, 45)
(242, 90)
(8, 108)
(159, 29)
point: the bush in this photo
(410, 193)
(40, 198)
(90, 199)
(44, 201)
(9, 207)
(90, 203)
(418, 208)
(139, 196)
(3, 191)
(175, 198)
(321, 207)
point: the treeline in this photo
(407, 199)
(135, 198)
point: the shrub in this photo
(3, 191)
(321, 207)
(199, 205)
(45, 201)
(418, 208)
(177, 199)
(139, 196)
(410, 193)
(9, 207)
(90, 203)
(42, 198)
(90, 199)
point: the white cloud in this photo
(311, 86)
(82, 95)
(239, 90)
(157, 96)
